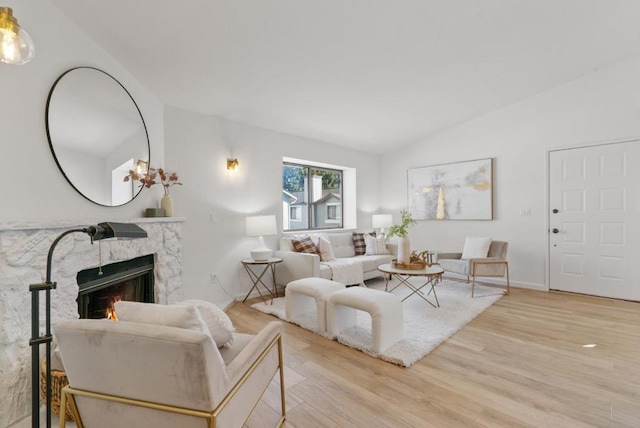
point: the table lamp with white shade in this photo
(260, 226)
(381, 221)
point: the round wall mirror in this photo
(97, 134)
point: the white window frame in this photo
(349, 212)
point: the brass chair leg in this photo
(473, 275)
(506, 264)
(63, 410)
(282, 387)
(69, 400)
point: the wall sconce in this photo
(16, 47)
(232, 164)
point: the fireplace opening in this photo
(100, 288)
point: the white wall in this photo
(33, 188)
(197, 147)
(600, 107)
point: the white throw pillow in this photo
(186, 317)
(375, 246)
(476, 247)
(325, 249)
(217, 321)
(286, 243)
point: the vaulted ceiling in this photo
(366, 74)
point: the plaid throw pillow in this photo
(304, 244)
(359, 244)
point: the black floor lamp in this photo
(101, 231)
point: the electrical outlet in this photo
(213, 217)
(214, 278)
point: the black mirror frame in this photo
(46, 118)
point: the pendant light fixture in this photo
(16, 47)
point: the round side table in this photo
(256, 274)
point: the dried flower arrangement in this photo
(419, 257)
(417, 261)
(149, 178)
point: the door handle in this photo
(555, 230)
(555, 211)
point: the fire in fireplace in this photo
(100, 288)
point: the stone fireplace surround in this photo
(23, 254)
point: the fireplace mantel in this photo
(68, 224)
(23, 254)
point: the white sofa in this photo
(296, 266)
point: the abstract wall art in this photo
(453, 191)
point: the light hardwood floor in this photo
(520, 363)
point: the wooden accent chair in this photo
(494, 265)
(132, 374)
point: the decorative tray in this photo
(411, 266)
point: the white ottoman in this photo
(309, 294)
(385, 309)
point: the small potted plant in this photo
(402, 232)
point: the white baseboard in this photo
(499, 281)
(227, 304)
(240, 297)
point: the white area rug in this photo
(425, 327)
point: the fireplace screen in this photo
(100, 288)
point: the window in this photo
(294, 213)
(332, 212)
(312, 197)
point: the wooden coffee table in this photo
(431, 276)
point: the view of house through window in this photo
(311, 197)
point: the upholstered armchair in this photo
(493, 265)
(134, 374)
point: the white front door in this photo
(594, 220)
